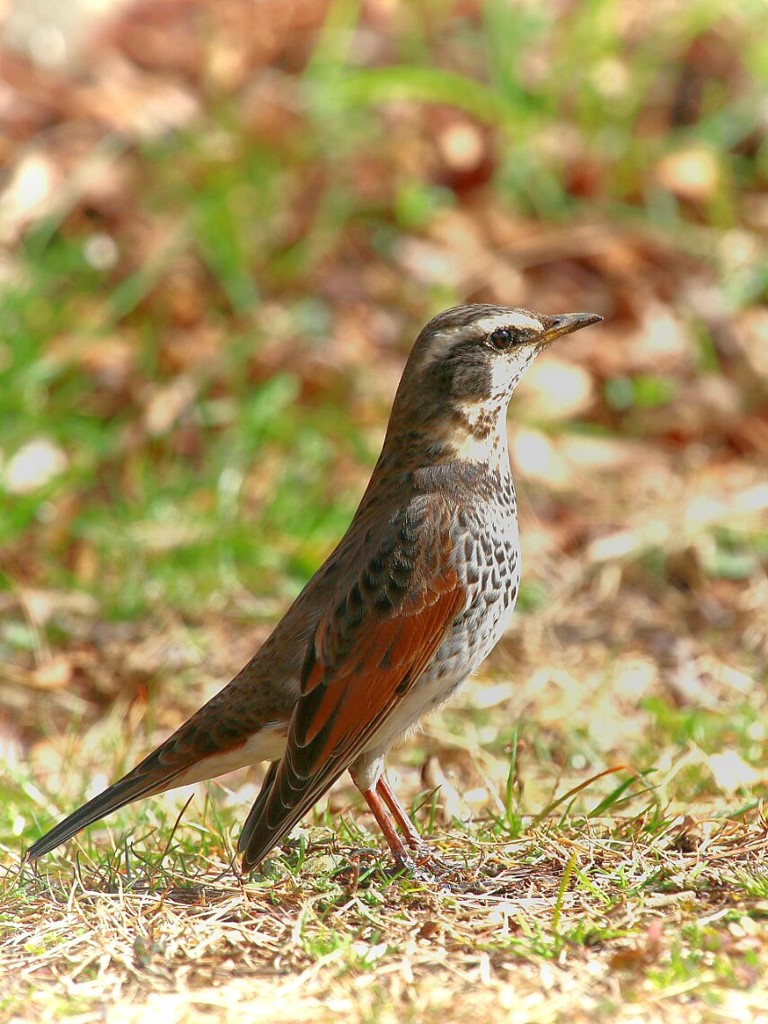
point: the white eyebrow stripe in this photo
(522, 321)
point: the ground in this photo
(220, 238)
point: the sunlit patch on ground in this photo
(219, 240)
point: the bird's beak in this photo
(567, 323)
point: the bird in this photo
(407, 606)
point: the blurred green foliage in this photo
(171, 518)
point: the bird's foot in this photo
(424, 856)
(423, 864)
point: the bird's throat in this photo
(478, 434)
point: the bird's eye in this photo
(502, 338)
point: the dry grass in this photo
(593, 921)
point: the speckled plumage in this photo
(410, 602)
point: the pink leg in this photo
(379, 811)
(405, 824)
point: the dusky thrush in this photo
(413, 598)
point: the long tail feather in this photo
(251, 822)
(146, 778)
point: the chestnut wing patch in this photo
(343, 705)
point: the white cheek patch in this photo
(502, 372)
(517, 319)
(505, 373)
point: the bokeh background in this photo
(224, 222)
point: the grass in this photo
(622, 890)
(616, 914)
(204, 332)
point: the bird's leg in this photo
(403, 859)
(381, 798)
(424, 864)
(424, 853)
(387, 794)
(450, 876)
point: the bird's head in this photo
(463, 370)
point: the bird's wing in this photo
(368, 651)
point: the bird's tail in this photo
(150, 776)
(254, 815)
